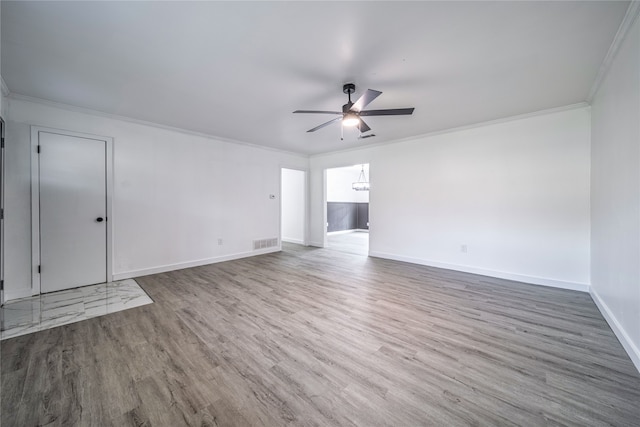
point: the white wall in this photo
(294, 183)
(339, 185)
(175, 194)
(615, 195)
(2, 90)
(3, 106)
(515, 193)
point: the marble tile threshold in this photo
(41, 312)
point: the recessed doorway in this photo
(293, 197)
(348, 209)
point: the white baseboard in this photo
(189, 264)
(621, 334)
(10, 295)
(317, 244)
(574, 286)
(296, 241)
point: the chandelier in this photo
(362, 184)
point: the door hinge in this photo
(39, 269)
(1, 285)
(1, 213)
(2, 142)
(38, 149)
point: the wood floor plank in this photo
(314, 337)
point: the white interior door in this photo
(73, 208)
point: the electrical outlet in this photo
(463, 248)
(219, 242)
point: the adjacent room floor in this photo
(353, 242)
(319, 337)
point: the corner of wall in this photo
(614, 193)
(627, 22)
(618, 330)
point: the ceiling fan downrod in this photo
(348, 88)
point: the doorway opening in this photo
(293, 196)
(348, 209)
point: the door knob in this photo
(99, 219)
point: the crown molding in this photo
(627, 22)
(462, 128)
(5, 88)
(83, 110)
(91, 112)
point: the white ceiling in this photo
(237, 70)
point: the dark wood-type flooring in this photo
(312, 337)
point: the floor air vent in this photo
(265, 243)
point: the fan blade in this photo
(316, 112)
(365, 99)
(367, 136)
(364, 127)
(389, 112)
(325, 124)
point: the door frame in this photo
(35, 200)
(325, 224)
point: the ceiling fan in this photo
(352, 113)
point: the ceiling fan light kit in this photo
(350, 120)
(352, 112)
